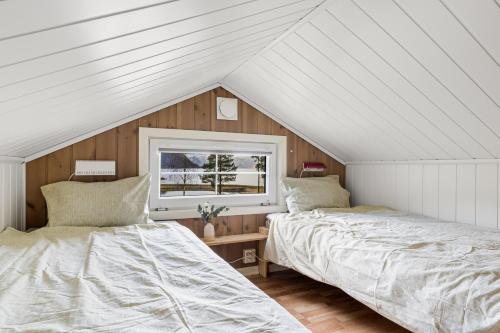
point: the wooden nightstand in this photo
(260, 236)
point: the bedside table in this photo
(260, 236)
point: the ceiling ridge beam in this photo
(313, 12)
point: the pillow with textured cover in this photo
(98, 204)
(302, 194)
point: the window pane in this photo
(226, 163)
(186, 184)
(228, 184)
(196, 174)
(250, 163)
(187, 162)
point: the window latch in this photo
(161, 209)
(267, 203)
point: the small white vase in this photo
(209, 232)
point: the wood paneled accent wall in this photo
(121, 144)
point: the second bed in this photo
(426, 275)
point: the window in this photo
(190, 167)
(184, 174)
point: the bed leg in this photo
(263, 264)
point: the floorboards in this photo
(323, 308)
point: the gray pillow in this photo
(99, 204)
(303, 194)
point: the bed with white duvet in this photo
(155, 277)
(426, 275)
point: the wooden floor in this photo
(322, 308)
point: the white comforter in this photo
(426, 275)
(142, 278)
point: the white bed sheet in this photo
(426, 275)
(142, 278)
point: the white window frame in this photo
(152, 140)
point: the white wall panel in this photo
(430, 191)
(358, 185)
(402, 182)
(461, 191)
(374, 179)
(447, 192)
(11, 194)
(390, 185)
(466, 193)
(415, 189)
(487, 195)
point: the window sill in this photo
(192, 213)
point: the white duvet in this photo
(426, 275)
(142, 278)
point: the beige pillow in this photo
(122, 202)
(303, 194)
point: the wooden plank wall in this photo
(121, 144)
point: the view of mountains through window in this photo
(199, 173)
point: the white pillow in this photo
(303, 194)
(99, 204)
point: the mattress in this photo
(142, 278)
(426, 275)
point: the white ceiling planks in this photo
(65, 38)
(446, 85)
(345, 121)
(314, 62)
(112, 93)
(24, 16)
(64, 129)
(372, 47)
(174, 34)
(363, 79)
(109, 109)
(75, 67)
(473, 18)
(148, 68)
(296, 112)
(387, 80)
(467, 53)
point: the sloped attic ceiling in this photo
(387, 80)
(365, 79)
(70, 67)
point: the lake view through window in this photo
(212, 174)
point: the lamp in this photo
(312, 167)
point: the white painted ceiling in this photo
(363, 79)
(387, 80)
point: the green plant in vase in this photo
(208, 213)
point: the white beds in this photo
(426, 275)
(142, 278)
